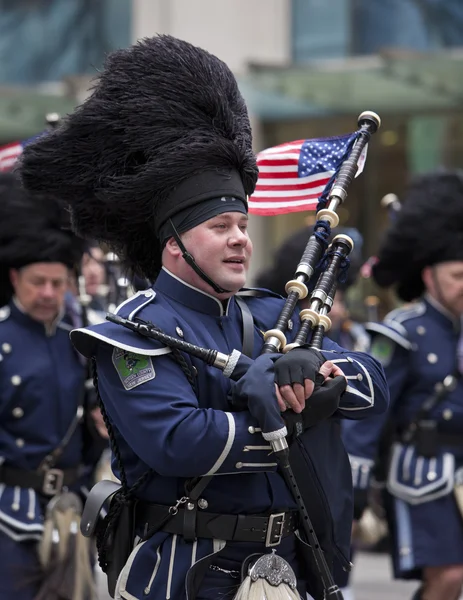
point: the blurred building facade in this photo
(307, 68)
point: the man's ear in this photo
(172, 247)
(427, 277)
(14, 276)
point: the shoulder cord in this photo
(125, 496)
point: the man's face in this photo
(93, 270)
(222, 248)
(445, 283)
(40, 289)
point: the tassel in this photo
(65, 554)
(270, 578)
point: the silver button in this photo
(190, 506)
(6, 348)
(431, 476)
(432, 358)
(251, 429)
(202, 503)
(20, 442)
(17, 412)
(404, 551)
(4, 313)
(16, 380)
(239, 465)
(447, 414)
(179, 331)
(359, 377)
(420, 330)
(290, 324)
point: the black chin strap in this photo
(188, 258)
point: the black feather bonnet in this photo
(427, 231)
(165, 128)
(32, 230)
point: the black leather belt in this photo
(49, 482)
(442, 438)
(449, 439)
(269, 529)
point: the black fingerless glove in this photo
(321, 405)
(297, 365)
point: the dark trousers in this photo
(19, 569)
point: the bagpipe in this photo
(329, 261)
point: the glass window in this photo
(46, 40)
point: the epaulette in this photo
(135, 303)
(399, 336)
(405, 313)
(392, 327)
(5, 312)
(86, 339)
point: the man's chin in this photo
(44, 315)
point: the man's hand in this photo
(295, 376)
(97, 418)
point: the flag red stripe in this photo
(283, 210)
(290, 187)
(282, 199)
(278, 162)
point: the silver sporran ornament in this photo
(269, 578)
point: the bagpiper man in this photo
(158, 163)
(419, 346)
(47, 455)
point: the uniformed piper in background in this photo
(419, 346)
(46, 449)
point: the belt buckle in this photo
(275, 529)
(52, 482)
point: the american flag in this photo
(10, 153)
(294, 176)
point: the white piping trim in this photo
(21, 537)
(16, 498)
(193, 552)
(197, 290)
(370, 382)
(31, 509)
(171, 566)
(228, 444)
(274, 464)
(19, 524)
(147, 589)
(128, 300)
(142, 305)
(389, 333)
(115, 343)
(402, 314)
